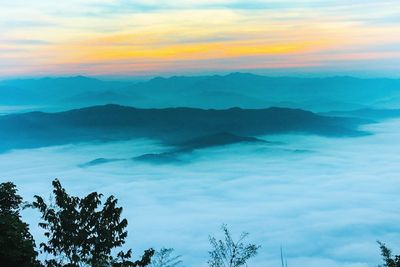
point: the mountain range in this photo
(242, 90)
(183, 128)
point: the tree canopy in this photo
(17, 247)
(84, 232)
(388, 258)
(230, 253)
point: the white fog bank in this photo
(326, 200)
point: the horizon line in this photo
(145, 78)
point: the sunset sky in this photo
(149, 37)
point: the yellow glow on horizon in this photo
(184, 51)
(185, 38)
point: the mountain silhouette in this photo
(172, 156)
(172, 126)
(218, 139)
(98, 161)
(243, 90)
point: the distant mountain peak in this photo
(242, 74)
(217, 139)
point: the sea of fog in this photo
(325, 200)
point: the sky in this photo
(149, 37)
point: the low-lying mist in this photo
(325, 200)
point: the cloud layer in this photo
(152, 37)
(325, 200)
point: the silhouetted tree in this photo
(17, 247)
(165, 258)
(230, 253)
(389, 260)
(82, 233)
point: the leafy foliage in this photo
(387, 256)
(230, 253)
(17, 247)
(82, 233)
(165, 258)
